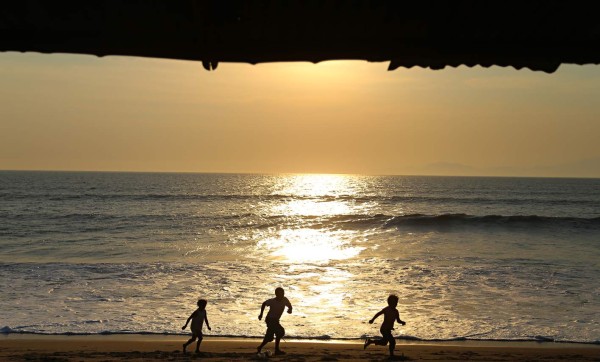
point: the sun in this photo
(322, 75)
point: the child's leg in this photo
(266, 340)
(188, 342)
(385, 337)
(198, 343)
(264, 343)
(279, 333)
(277, 340)
(392, 341)
(380, 342)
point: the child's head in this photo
(202, 303)
(392, 300)
(279, 292)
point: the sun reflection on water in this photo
(318, 195)
(310, 185)
(313, 195)
(309, 246)
(313, 208)
(315, 247)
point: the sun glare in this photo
(313, 208)
(324, 75)
(309, 185)
(309, 246)
(316, 195)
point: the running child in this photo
(390, 315)
(276, 306)
(198, 318)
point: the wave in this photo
(539, 339)
(458, 220)
(342, 221)
(166, 197)
(435, 199)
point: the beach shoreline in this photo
(136, 347)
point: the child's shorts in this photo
(273, 328)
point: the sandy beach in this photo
(168, 348)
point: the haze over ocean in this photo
(469, 257)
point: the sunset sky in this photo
(76, 112)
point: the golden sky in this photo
(75, 112)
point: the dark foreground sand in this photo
(168, 348)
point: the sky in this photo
(80, 112)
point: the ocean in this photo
(470, 258)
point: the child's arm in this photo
(188, 320)
(398, 318)
(206, 320)
(375, 317)
(262, 309)
(289, 305)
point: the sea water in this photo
(469, 258)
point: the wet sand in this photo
(168, 348)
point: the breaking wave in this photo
(419, 220)
(539, 339)
(460, 221)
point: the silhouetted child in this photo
(276, 307)
(198, 318)
(390, 315)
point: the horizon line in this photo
(297, 173)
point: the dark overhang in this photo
(539, 35)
